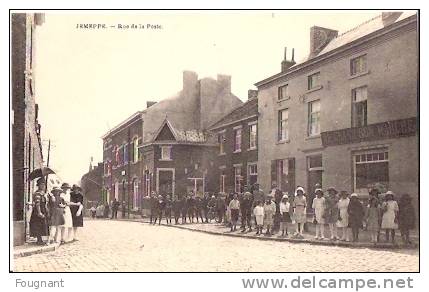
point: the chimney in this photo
(389, 17)
(251, 93)
(319, 38)
(150, 103)
(286, 64)
(224, 82)
(190, 81)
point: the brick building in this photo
(237, 151)
(168, 144)
(92, 184)
(346, 116)
(26, 136)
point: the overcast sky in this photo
(87, 81)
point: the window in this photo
(136, 150)
(371, 168)
(359, 107)
(314, 81)
(221, 140)
(283, 92)
(358, 65)
(282, 171)
(135, 194)
(237, 140)
(222, 181)
(314, 118)
(237, 179)
(165, 152)
(120, 155)
(116, 154)
(253, 174)
(125, 148)
(253, 132)
(283, 134)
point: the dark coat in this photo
(76, 198)
(356, 213)
(39, 225)
(406, 215)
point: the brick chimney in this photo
(150, 103)
(389, 17)
(319, 38)
(251, 93)
(286, 64)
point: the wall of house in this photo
(392, 94)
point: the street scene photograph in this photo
(214, 141)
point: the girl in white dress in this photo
(68, 222)
(343, 218)
(390, 213)
(319, 211)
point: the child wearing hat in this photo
(372, 218)
(389, 221)
(319, 212)
(269, 211)
(284, 213)
(300, 206)
(343, 218)
(258, 211)
(331, 211)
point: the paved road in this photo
(131, 246)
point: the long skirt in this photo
(234, 215)
(259, 220)
(38, 226)
(57, 217)
(68, 221)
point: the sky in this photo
(88, 81)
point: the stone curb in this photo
(35, 250)
(293, 240)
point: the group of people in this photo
(56, 214)
(344, 213)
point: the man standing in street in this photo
(153, 207)
(277, 195)
(246, 211)
(220, 207)
(115, 207)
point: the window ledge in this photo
(165, 159)
(282, 141)
(313, 137)
(314, 89)
(359, 74)
(237, 151)
(283, 99)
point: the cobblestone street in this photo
(114, 246)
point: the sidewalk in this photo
(31, 248)
(220, 229)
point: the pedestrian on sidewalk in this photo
(258, 211)
(406, 217)
(168, 209)
(56, 207)
(93, 211)
(106, 210)
(246, 212)
(284, 213)
(76, 207)
(372, 218)
(234, 206)
(356, 215)
(115, 207)
(300, 207)
(199, 209)
(211, 208)
(184, 210)
(389, 221)
(228, 200)
(68, 221)
(331, 211)
(177, 209)
(40, 213)
(277, 197)
(191, 207)
(205, 208)
(343, 218)
(374, 193)
(269, 212)
(220, 207)
(161, 208)
(319, 207)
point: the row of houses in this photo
(345, 116)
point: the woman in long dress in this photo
(39, 214)
(390, 216)
(68, 221)
(300, 207)
(331, 211)
(76, 206)
(343, 218)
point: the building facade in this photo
(237, 151)
(170, 149)
(26, 130)
(347, 115)
(92, 184)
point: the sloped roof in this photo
(247, 109)
(186, 136)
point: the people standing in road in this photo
(406, 218)
(372, 218)
(76, 207)
(191, 207)
(390, 211)
(177, 209)
(168, 208)
(220, 208)
(319, 214)
(246, 212)
(300, 207)
(199, 209)
(205, 209)
(161, 208)
(115, 207)
(184, 204)
(211, 208)
(356, 215)
(331, 211)
(343, 218)
(106, 210)
(258, 211)
(56, 207)
(269, 212)
(68, 221)
(153, 201)
(40, 213)
(285, 216)
(234, 206)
